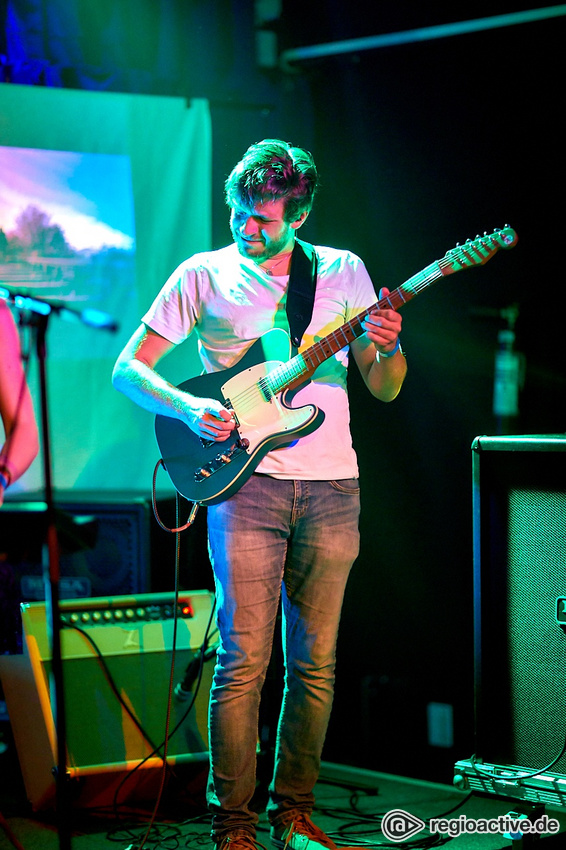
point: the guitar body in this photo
(208, 472)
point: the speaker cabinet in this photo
(104, 551)
(104, 543)
(519, 527)
(117, 657)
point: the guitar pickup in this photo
(228, 406)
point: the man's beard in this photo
(257, 250)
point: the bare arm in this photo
(383, 375)
(16, 407)
(135, 375)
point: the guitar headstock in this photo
(476, 252)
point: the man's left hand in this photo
(383, 327)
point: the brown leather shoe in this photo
(301, 834)
(238, 840)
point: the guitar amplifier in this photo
(519, 523)
(117, 666)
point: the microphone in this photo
(44, 307)
(99, 319)
(184, 689)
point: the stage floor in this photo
(351, 804)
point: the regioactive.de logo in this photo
(399, 825)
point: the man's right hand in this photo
(134, 374)
(209, 419)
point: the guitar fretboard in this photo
(472, 253)
(304, 364)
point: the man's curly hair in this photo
(271, 170)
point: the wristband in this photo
(5, 475)
(393, 350)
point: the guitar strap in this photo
(300, 293)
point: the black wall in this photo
(421, 146)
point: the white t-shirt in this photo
(230, 302)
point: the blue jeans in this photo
(296, 540)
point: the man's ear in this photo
(300, 221)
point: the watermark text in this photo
(399, 825)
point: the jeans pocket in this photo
(348, 486)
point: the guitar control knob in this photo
(244, 443)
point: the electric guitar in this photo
(256, 390)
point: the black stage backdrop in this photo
(421, 146)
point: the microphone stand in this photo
(39, 311)
(51, 576)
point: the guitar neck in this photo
(473, 253)
(300, 367)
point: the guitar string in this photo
(300, 363)
(247, 398)
(288, 373)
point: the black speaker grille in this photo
(117, 563)
(104, 547)
(519, 571)
(536, 576)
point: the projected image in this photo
(67, 234)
